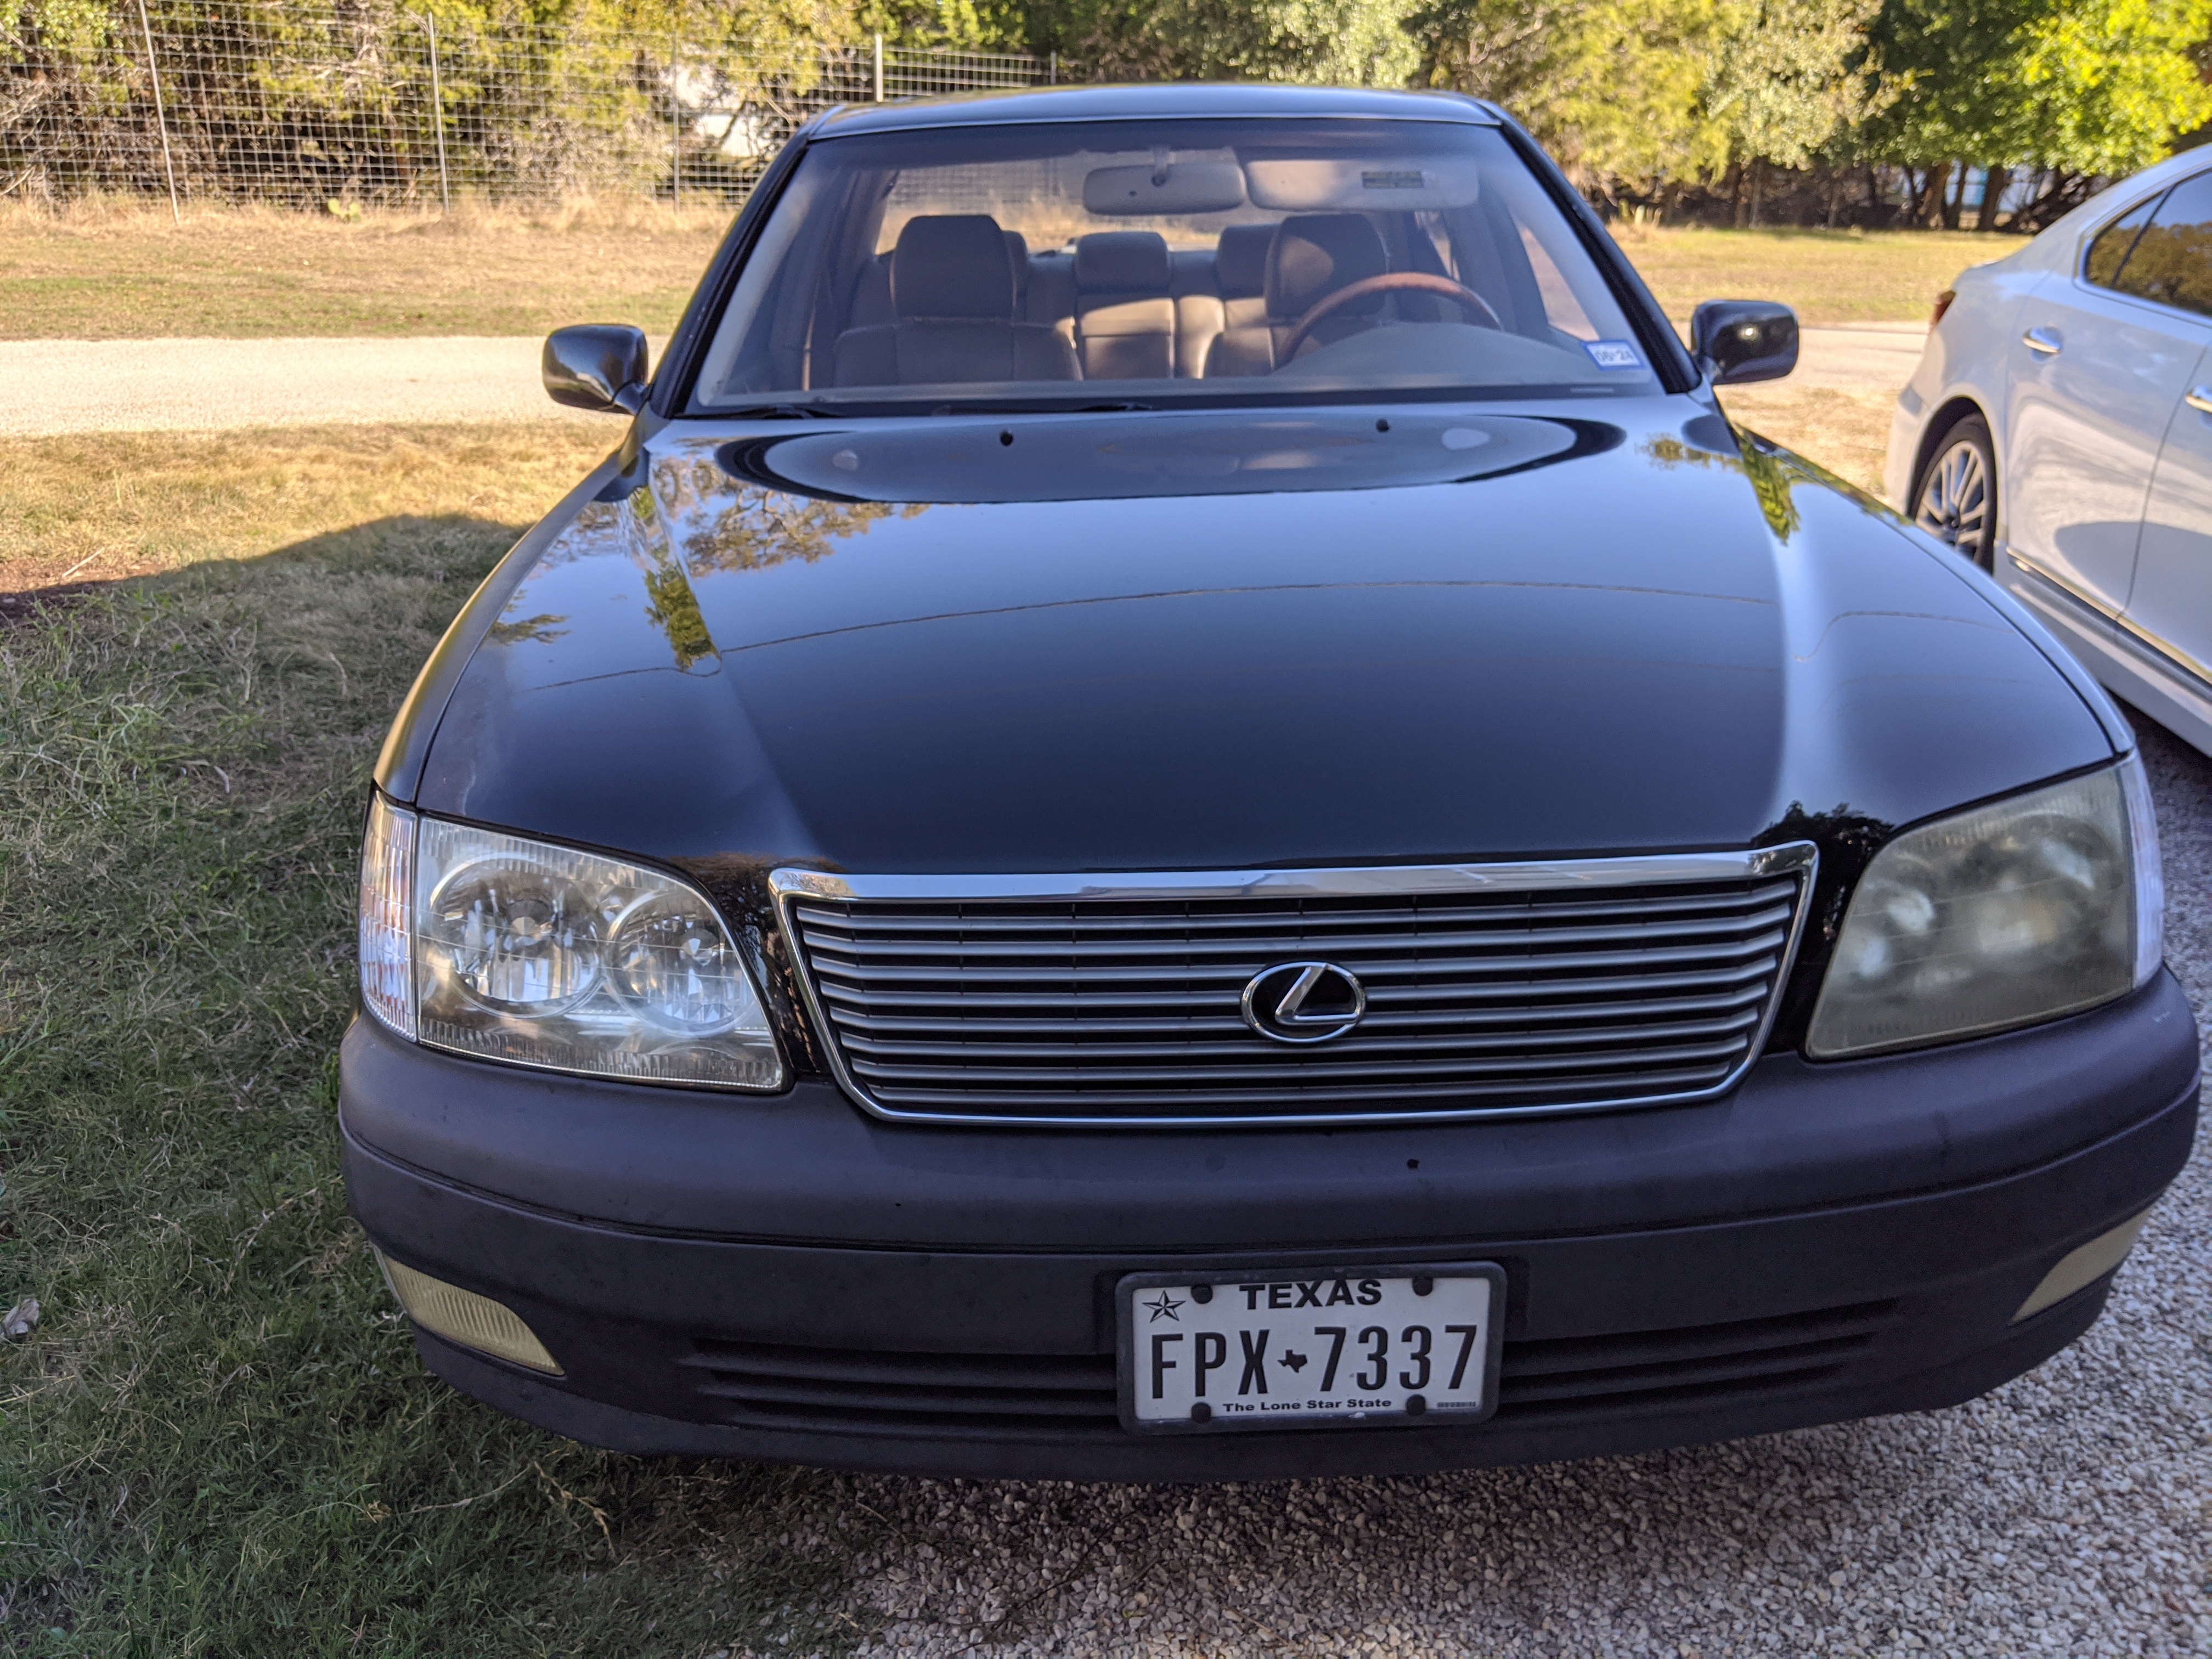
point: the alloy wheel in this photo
(1955, 501)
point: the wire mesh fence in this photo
(307, 105)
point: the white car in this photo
(2058, 432)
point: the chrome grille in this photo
(1489, 988)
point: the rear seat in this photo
(1128, 306)
(1125, 323)
(1218, 291)
(1051, 300)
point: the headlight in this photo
(511, 949)
(2009, 914)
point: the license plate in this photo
(1300, 1348)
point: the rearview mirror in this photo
(1165, 187)
(1738, 340)
(596, 366)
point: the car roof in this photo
(2056, 243)
(1089, 103)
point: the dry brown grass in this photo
(123, 271)
(119, 269)
(99, 508)
(1846, 432)
(1828, 275)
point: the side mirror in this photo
(1738, 340)
(596, 366)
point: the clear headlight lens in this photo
(522, 951)
(513, 936)
(2017, 912)
(387, 883)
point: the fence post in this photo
(675, 125)
(1052, 75)
(879, 69)
(438, 117)
(160, 116)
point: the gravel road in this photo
(213, 385)
(2069, 1512)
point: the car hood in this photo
(1146, 641)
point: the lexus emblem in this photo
(1303, 1001)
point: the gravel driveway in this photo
(2070, 1512)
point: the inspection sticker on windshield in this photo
(1613, 353)
(1304, 1347)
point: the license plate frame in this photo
(1489, 1344)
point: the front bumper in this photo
(789, 1278)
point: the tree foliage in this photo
(1361, 42)
(2083, 86)
(1635, 96)
(1778, 87)
(1611, 86)
(1643, 91)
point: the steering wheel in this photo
(1420, 282)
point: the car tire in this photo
(1955, 498)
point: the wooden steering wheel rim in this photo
(1388, 281)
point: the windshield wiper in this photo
(846, 411)
(782, 412)
(1041, 407)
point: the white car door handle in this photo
(2045, 341)
(2200, 399)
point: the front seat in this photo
(1311, 257)
(953, 299)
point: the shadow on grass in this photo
(219, 1439)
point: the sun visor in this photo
(1314, 186)
(1165, 188)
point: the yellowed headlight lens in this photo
(463, 1316)
(1993, 918)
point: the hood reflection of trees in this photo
(723, 523)
(1771, 473)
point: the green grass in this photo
(219, 1440)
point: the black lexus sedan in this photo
(1182, 810)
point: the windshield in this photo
(1158, 262)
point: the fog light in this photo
(463, 1316)
(2079, 1269)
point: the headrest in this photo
(1315, 254)
(1017, 250)
(952, 264)
(1240, 261)
(1122, 261)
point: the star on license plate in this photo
(1305, 1348)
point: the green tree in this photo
(2110, 84)
(1317, 42)
(2080, 87)
(990, 25)
(1778, 85)
(1612, 88)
